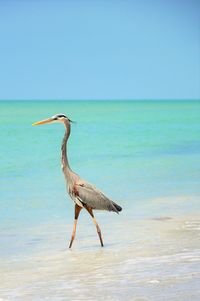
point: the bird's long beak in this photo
(49, 120)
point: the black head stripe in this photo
(61, 115)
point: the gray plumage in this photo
(94, 198)
(81, 192)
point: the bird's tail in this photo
(117, 207)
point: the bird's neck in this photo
(65, 164)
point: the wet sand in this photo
(149, 259)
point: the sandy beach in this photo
(100, 110)
(147, 259)
(152, 248)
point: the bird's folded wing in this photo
(94, 198)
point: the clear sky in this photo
(100, 49)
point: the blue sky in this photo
(100, 49)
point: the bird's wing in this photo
(92, 197)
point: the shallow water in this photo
(144, 155)
(150, 259)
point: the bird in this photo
(83, 194)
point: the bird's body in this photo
(84, 194)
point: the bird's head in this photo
(56, 118)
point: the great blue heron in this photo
(81, 192)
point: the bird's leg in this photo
(77, 210)
(95, 222)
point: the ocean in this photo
(145, 156)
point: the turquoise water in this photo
(143, 154)
(134, 151)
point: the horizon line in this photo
(104, 99)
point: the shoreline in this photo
(154, 255)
